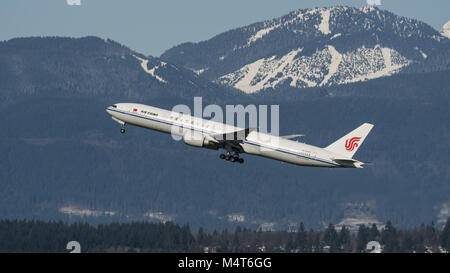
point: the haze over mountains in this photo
(64, 158)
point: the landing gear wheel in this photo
(122, 130)
(232, 157)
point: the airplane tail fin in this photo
(349, 144)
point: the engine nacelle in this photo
(199, 140)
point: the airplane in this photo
(214, 135)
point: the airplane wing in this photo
(236, 136)
(232, 139)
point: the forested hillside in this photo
(39, 236)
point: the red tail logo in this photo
(351, 144)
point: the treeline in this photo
(40, 236)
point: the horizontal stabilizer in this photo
(349, 162)
(292, 136)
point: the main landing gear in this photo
(229, 157)
(122, 130)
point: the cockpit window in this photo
(114, 106)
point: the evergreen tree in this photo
(431, 235)
(235, 243)
(407, 242)
(344, 239)
(314, 242)
(362, 238)
(331, 238)
(186, 238)
(201, 236)
(389, 238)
(445, 236)
(223, 241)
(290, 244)
(301, 239)
(419, 243)
(374, 234)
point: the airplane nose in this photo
(111, 109)
(108, 110)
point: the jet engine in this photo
(196, 139)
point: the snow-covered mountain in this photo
(324, 67)
(310, 48)
(446, 30)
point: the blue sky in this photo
(152, 26)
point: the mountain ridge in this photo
(80, 66)
(311, 47)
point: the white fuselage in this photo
(255, 143)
